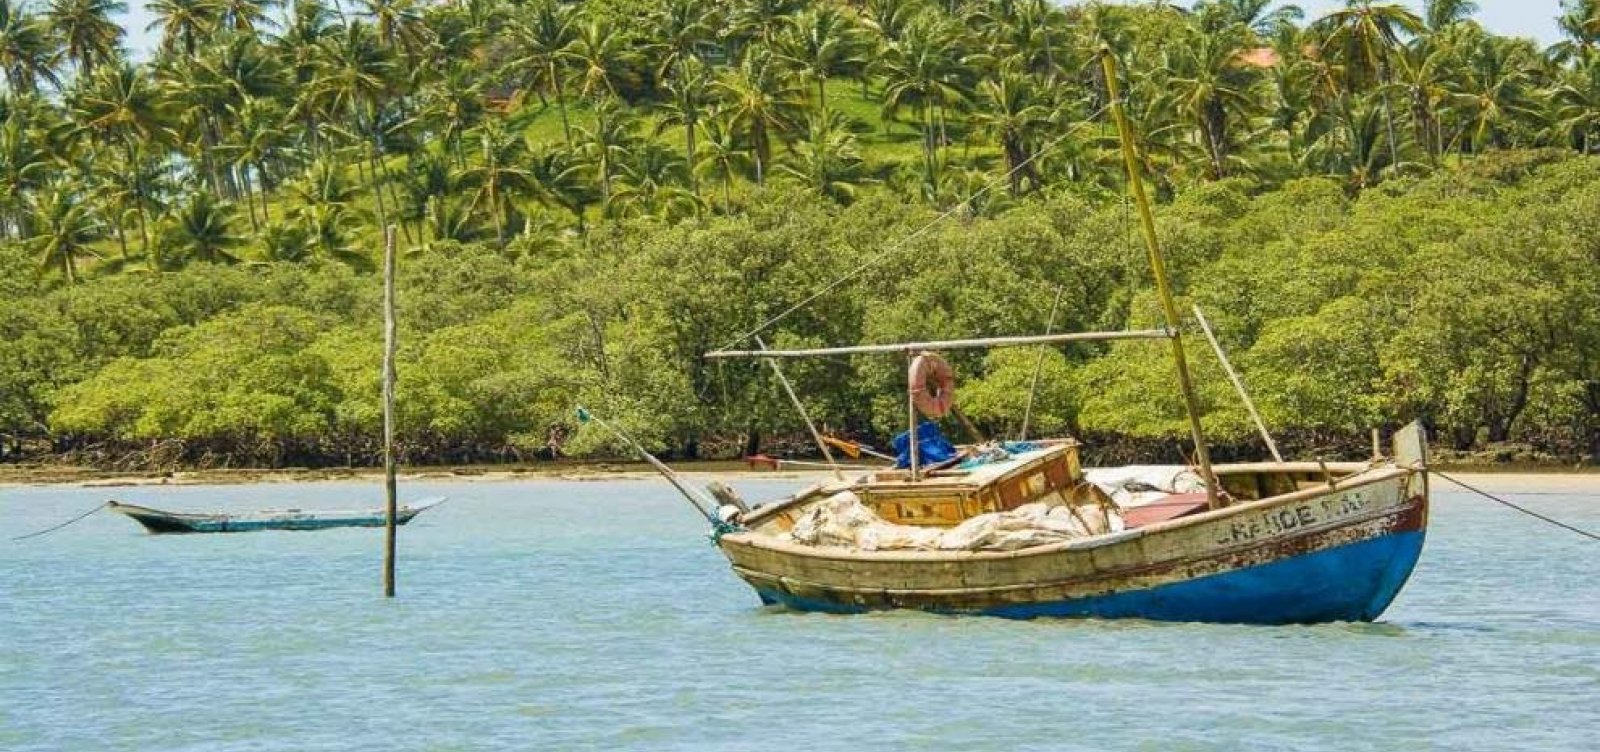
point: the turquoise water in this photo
(555, 615)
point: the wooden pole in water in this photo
(1158, 267)
(1238, 384)
(389, 490)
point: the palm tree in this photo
(184, 23)
(326, 213)
(924, 70)
(127, 192)
(300, 47)
(679, 29)
(1422, 72)
(501, 174)
(1577, 101)
(429, 180)
(1013, 112)
(357, 80)
(759, 102)
(760, 20)
(822, 42)
(202, 229)
(1495, 89)
(260, 135)
(1363, 37)
(827, 161)
(64, 230)
(650, 183)
(602, 59)
(399, 24)
(608, 144)
(86, 31)
(452, 104)
(120, 105)
(1257, 15)
(26, 49)
(1441, 14)
(1213, 86)
(723, 155)
(23, 167)
(560, 179)
(689, 99)
(542, 32)
(244, 16)
(1580, 23)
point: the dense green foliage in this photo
(1466, 298)
(1385, 215)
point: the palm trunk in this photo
(249, 199)
(561, 104)
(261, 169)
(688, 135)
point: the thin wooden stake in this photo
(1238, 384)
(801, 408)
(389, 490)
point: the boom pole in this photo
(1158, 267)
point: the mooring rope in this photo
(1529, 512)
(103, 505)
(888, 252)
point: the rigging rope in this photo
(1529, 512)
(62, 525)
(888, 252)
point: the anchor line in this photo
(1524, 510)
(62, 525)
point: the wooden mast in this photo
(1159, 268)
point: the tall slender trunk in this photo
(561, 104)
(122, 238)
(266, 187)
(688, 134)
(822, 95)
(138, 197)
(249, 199)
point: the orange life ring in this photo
(933, 385)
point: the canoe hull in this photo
(162, 522)
(1333, 554)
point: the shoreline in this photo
(30, 476)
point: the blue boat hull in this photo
(1354, 582)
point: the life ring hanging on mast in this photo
(933, 385)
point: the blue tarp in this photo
(932, 446)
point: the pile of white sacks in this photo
(842, 521)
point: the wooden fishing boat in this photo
(1296, 543)
(1269, 543)
(160, 521)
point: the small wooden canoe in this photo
(159, 521)
(1298, 543)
